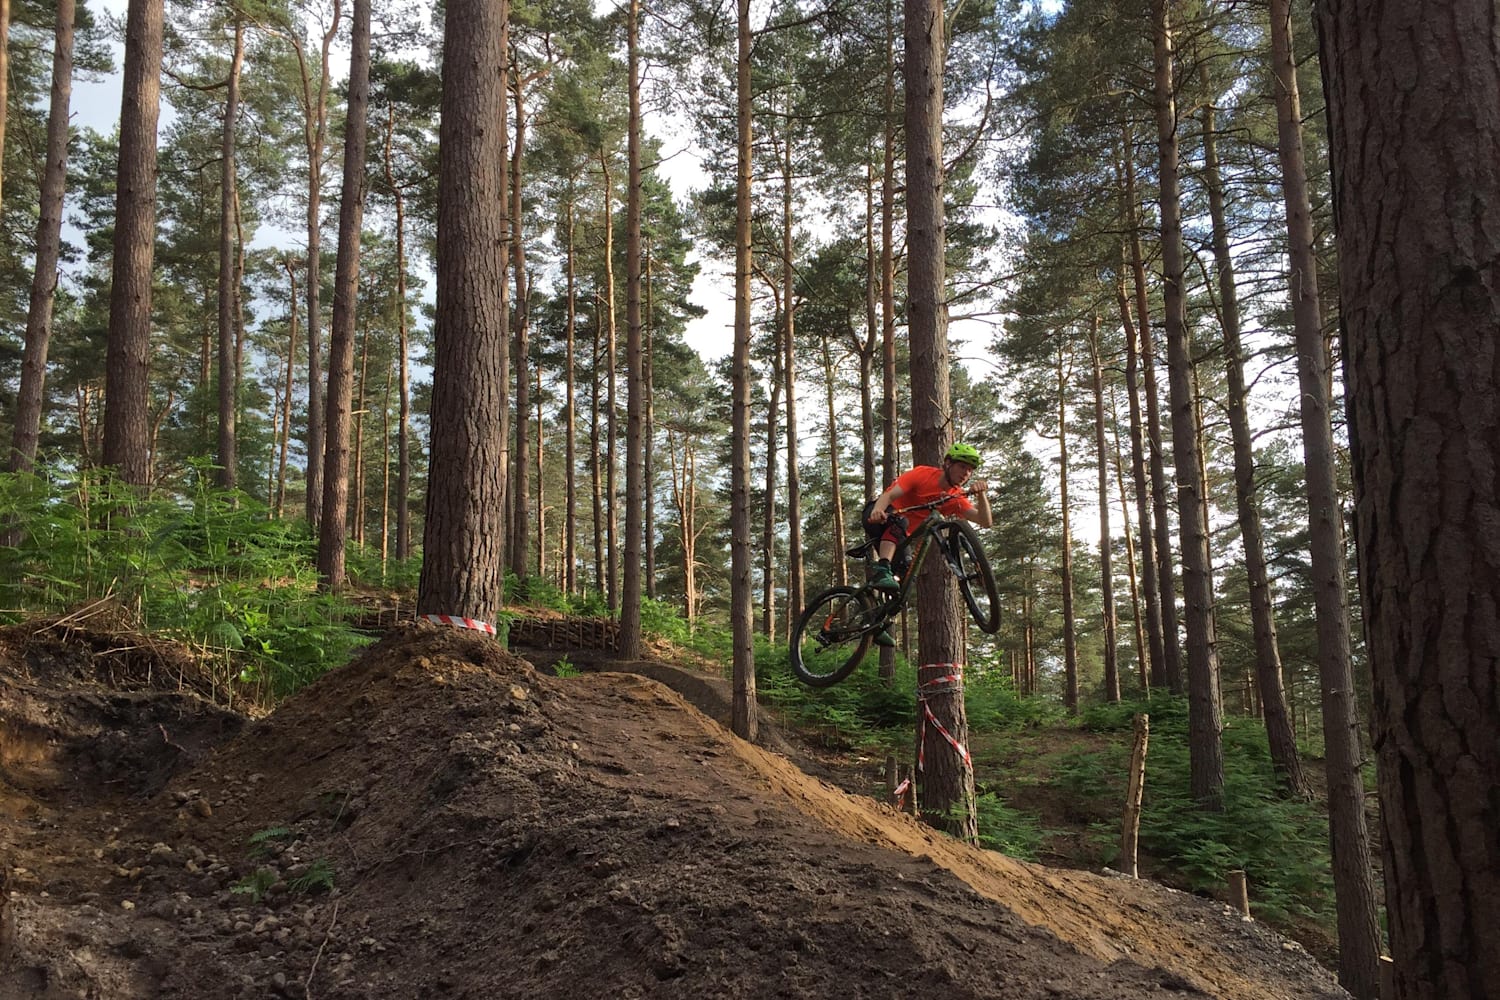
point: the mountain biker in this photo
(919, 485)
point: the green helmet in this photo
(965, 453)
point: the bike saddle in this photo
(862, 549)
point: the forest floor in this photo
(440, 819)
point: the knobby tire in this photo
(831, 637)
(976, 581)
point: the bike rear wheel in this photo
(976, 581)
(832, 635)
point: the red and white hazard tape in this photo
(899, 794)
(933, 685)
(460, 622)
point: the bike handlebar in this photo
(933, 504)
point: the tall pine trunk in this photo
(520, 461)
(1069, 617)
(228, 278)
(743, 718)
(127, 389)
(332, 535)
(30, 396)
(1283, 741)
(947, 786)
(635, 381)
(1206, 753)
(463, 543)
(1106, 541)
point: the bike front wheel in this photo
(976, 581)
(832, 636)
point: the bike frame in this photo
(918, 545)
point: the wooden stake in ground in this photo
(1239, 892)
(1131, 827)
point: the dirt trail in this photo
(438, 819)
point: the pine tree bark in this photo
(403, 423)
(4, 74)
(795, 598)
(889, 448)
(30, 396)
(1277, 717)
(357, 475)
(836, 490)
(333, 530)
(743, 717)
(289, 384)
(1106, 540)
(127, 433)
(228, 459)
(635, 381)
(947, 787)
(1138, 617)
(314, 135)
(612, 356)
(649, 458)
(768, 526)
(1154, 663)
(521, 488)
(1170, 671)
(1070, 634)
(463, 540)
(1206, 763)
(570, 415)
(1353, 884)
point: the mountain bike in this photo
(836, 629)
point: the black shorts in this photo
(892, 530)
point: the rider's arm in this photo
(980, 515)
(884, 502)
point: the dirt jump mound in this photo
(438, 819)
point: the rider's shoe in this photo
(883, 638)
(884, 579)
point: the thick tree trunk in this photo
(127, 389)
(1283, 741)
(332, 535)
(596, 451)
(650, 434)
(1353, 884)
(866, 348)
(570, 419)
(521, 488)
(635, 380)
(743, 718)
(1206, 764)
(947, 786)
(889, 457)
(611, 351)
(30, 396)
(462, 550)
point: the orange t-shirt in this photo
(922, 485)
